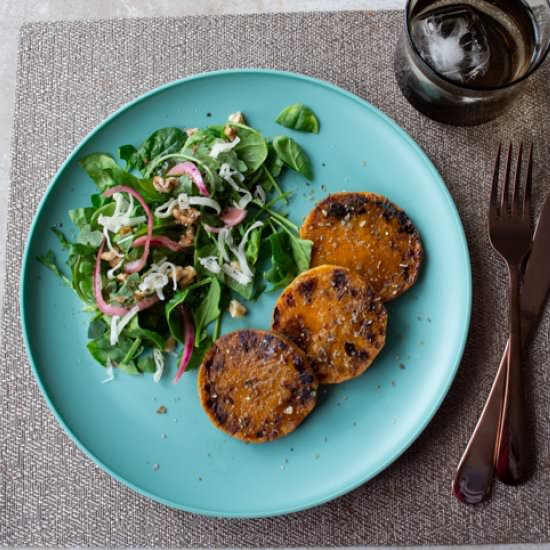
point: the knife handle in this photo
(473, 478)
(513, 463)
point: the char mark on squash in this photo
(306, 288)
(247, 339)
(289, 300)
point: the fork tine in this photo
(504, 200)
(528, 186)
(493, 203)
(517, 182)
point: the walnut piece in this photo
(186, 216)
(188, 237)
(236, 118)
(111, 257)
(236, 309)
(230, 132)
(185, 275)
(164, 185)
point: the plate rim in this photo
(413, 436)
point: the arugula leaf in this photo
(293, 156)
(65, 243)
(252, 147)
(89, 237)
(81, 216)
(49, 261)
(298, 117)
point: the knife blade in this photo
(536, 280)
(473, 477)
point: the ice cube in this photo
(454, 43)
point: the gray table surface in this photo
(14, 14)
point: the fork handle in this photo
(513, 463)
(473, 477)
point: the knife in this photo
(474, 474)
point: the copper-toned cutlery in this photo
(473, 478)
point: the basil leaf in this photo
(293, 156)
(298, 117)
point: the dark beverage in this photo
(462, 62)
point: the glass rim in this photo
(425, 64)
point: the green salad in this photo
(191, 224)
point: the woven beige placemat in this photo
(71, 76)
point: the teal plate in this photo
(359, 427)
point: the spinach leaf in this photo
(49, 261)
(293, 156)
(146, 364)
(253, 246)
(298, 117)
(290, 256)
(102, 350)
(283, 268)
(97, 327)
(252, 147)
(160, 143)
(134, 330)
(301, 252)
(106, 173)
(170, 308)
(128, 153)
(198, 353)
(273, 163)
(207, 311)
(103, 169)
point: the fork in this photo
(503, 414)
(511, 233)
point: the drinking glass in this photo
(463, 62)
